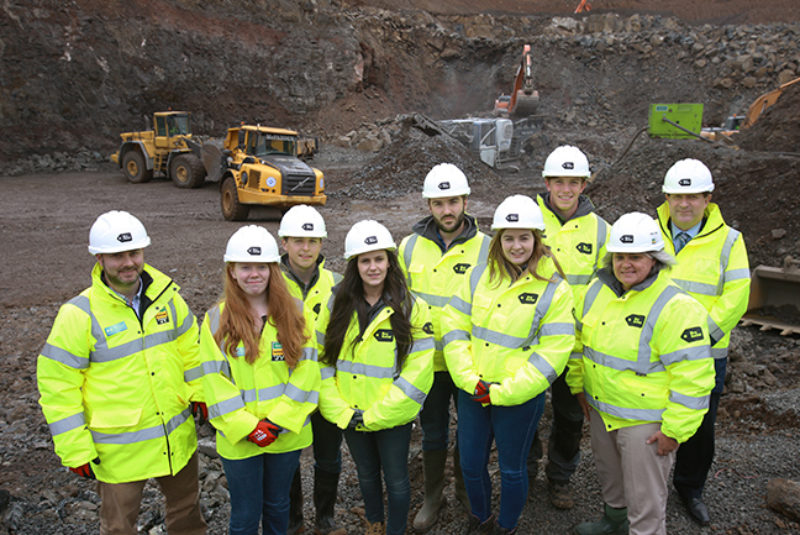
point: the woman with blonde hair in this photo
(507, 332)
(261, 382)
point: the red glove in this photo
(481, 393)
(264, 434)
(85, 470)
(200, 411)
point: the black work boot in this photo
(475, 527)
(296, 506)
(326, 485)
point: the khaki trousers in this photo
(632, 474)
(120, 503)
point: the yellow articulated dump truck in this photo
(167, 149)
(258, 165)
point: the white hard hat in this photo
(302, 221)
(252, 243)
(366, 236)
(566, 160)
(688, 176)
(445, 180)
(518, 211)
(635, 232)
(117, 231)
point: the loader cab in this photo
(170, 124)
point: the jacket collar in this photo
(426, 227)
(585, 207)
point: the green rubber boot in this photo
(614, 522)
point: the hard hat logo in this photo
(568, 165)
(371, 240)
(125, 237)
(444, 185)
(512, 218)
(626, 238)
(254, 251)
(685, 182)
(308, 226)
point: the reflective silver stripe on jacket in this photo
(687, 353)
(367, 370)
(422, 344)
(433, 300)
(141, 435)
(690, 402)
(193, 373)
(408, 250)
(724, 276)
(216, 366)
(620, 364)
(714, 330)
(268, 393)
(578, 280)
(574, 355)
(309, 353)
(483, 254)
(65, 357)
(327, 372)
(227, 406)
(601, 241)
(67, 424)
(410, 390)
(626, 413)
(461, 305)
(719, 353)
(454, 335)
(544, 367)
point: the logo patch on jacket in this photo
(692, 334)
(585, 248)
(528, 298)
(162, 317)
(116, 328)
(461, 268)
(635, 320)
(384, 335)
(316, 308)
(428, 328)
(277, 352)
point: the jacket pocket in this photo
(115, 419)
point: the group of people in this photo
(627, 325)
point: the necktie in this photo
(680, 240)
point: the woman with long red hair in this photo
(261, 382)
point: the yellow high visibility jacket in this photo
(118, 388)
(240, 394)
(518, 335)
(316, 295)
(430, 271)
(366, 375)
(713, 268)
(578, 244)
(642, 356)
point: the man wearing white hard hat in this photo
(302, 230)
(642, 372)
(713, 268)
(119, 379)
(443, 246)
(577, 237)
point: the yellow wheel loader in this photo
(258, 165)
(167, 149)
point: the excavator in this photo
(737, 123)
(524, 99)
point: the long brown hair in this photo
(500, 267)
(237, 325)
(349, 298)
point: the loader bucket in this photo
(212, 161)
(774, 299)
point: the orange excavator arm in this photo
(524, 98)
(583, 6)
(765, 101)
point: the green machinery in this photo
(675, 121)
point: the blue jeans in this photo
(259, 488)
(512, 428)
(435, 414)
(385, 450)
